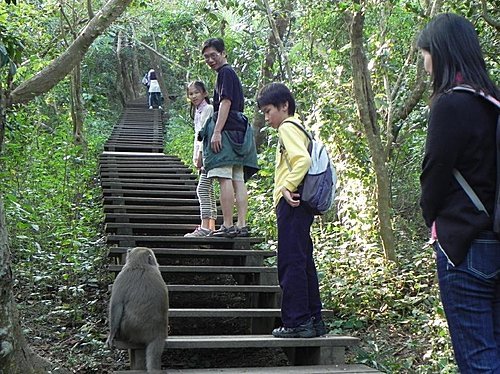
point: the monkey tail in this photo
(154, 351)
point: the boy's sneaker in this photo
(150, 107)
(319, 327)
(225, 232)
(306, 330)
(243, 232)
(160, 107)
(199, 232)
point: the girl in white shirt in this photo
(201, 110)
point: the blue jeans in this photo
(470, 293)
(296, 270)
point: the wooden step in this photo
(178, 209)
(211, 256)
(188, 193)
(134, 200)
(329, 349)
(119, 185)
(198, 252)
(311, 369)
(137, 163)
(224, 313)
(167, 169)
(151, 217)
(156, 181)
(208, 269)
(141, 175)
(149, 228)
(146, 241)
(223, 288)
(125, 157)
(232, 313)
(247, 341)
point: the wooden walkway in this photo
(222, 295)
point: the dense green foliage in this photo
(52, 194)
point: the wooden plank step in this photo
(156, 181)
(247, 341)
(117, 139)
(189, 193)
(116, 226)
(198, 252)
(238, 241)
(114, 161)
(203, 288)
(118, 174)
(150, 165)
(136, 157)
(129, 148)
(309, 369)
(133, 200)
(107, 185)
(142, 208)
(151, 217)
(232, 313)
(184, 194)
(224, 313)
(208, 269)
(165, 168)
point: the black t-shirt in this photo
(228, 86)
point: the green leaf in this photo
(4, 56)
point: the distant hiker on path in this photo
(154, 90)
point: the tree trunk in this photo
(282, 23)
(136, 73)
(368, 117)
(15, 355)
(77, 112)
(124, 67)
(60, 67)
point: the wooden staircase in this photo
(222, 295)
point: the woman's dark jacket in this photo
(461, 135)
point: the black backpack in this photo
(465, 185)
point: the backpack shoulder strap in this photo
(459, 177)
(490, 98)
(309, 136)
(282, 146)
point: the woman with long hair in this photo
(461, 143)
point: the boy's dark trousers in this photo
(296, 271)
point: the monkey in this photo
(138, 309)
